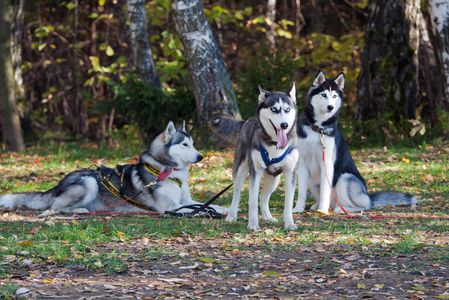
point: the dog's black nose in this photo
(199, 158)
(284, 126)
(330, 107)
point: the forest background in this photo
(75, 76)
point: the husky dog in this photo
(266, 146)
(162, 173)
(317, 131)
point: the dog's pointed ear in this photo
(340, 81)
(292, 93)
(182, 127)
(262, 95)
(319, 79)
(170, 131)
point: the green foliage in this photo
(8, 291)
(272, 71)
(149, 109)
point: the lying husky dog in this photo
(266, 146)
(163, 170)
(317, 128)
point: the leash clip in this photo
(154, 182)
(323, 145)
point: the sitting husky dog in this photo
(317, 131)
(266, 146)
(162, 173)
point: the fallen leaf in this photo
(190, 267)
(271, 273)
(178, 280)
(207, 259)
(21, 291)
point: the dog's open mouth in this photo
(281, 136)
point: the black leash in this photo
(200, 210)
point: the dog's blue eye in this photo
(334, 96)
(287, 110)
(273, 109)
(323, 95)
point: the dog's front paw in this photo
(254, 227)
(298, 209)
(268, 217)
(323, 211)
(230, 218)
(272, 219)
(291, 226)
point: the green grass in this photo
(113, 244)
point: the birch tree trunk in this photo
(433, 82)
(388, 78)
(210, 80)
(12, 133)
(140, 40)
(271, 20)
(439, 17)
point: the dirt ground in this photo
(240, 266)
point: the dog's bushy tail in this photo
(226, 127)
(33, 200)
(379, 199)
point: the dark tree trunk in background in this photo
(75, 111)
(140, 40)
(388, 77)
(10, 21)
(210, 80)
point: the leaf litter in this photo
(330, 263)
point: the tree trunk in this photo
(12, 133)
(388, 78)
(210, 80)
(438, 20)
(140, 40)
(432, 79)
(76, 112)
(271, 20)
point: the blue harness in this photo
(266, 157)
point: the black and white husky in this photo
(266, 147)
(317, 131)
(162, 173)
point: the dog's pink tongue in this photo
(281, 137)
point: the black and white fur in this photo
(322, 106)
(82, 191)
(274, 129)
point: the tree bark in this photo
(388, 77)
(432, 79)
(12, 133)
(76, 112)
(210, 80)
(271, 19)
(140, 40)
(438, 20)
